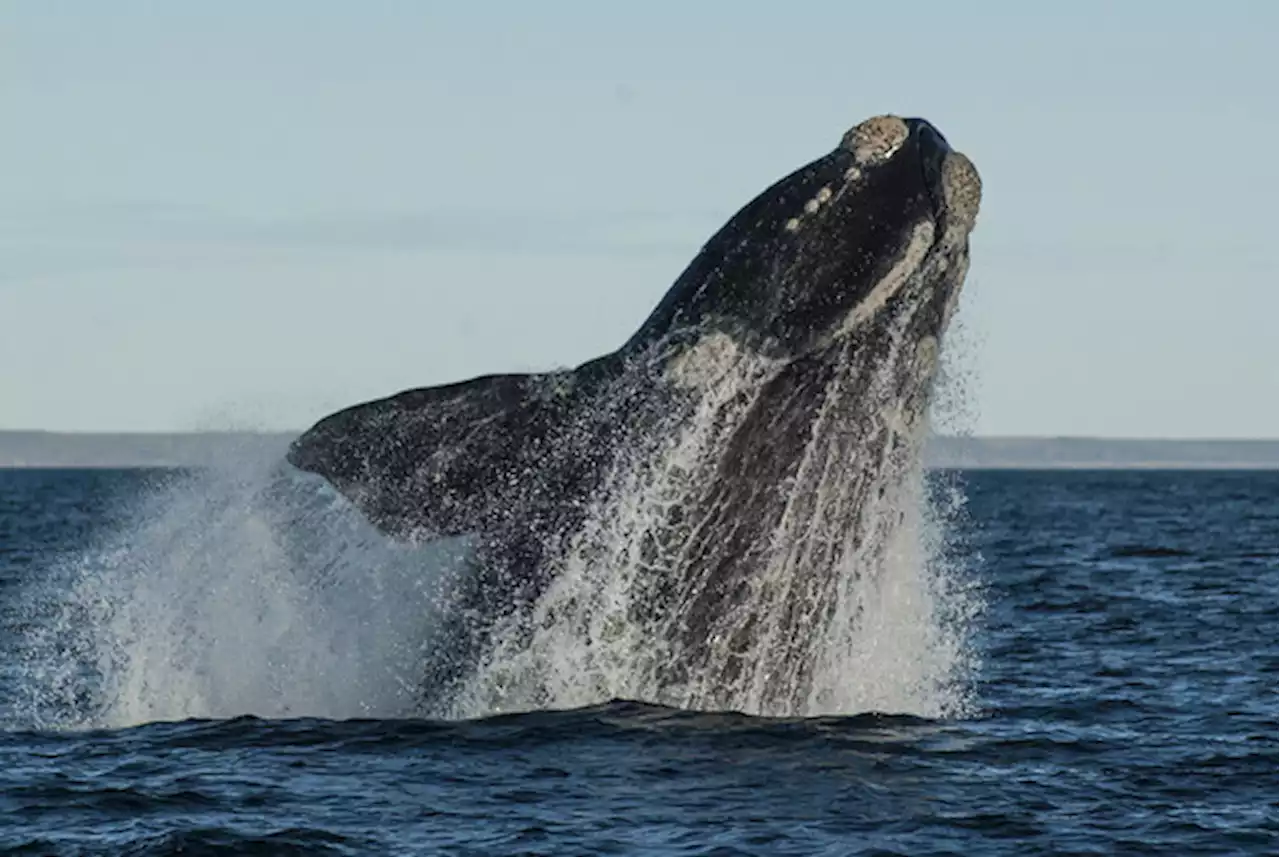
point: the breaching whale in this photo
(799, 346)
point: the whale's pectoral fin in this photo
(452, 459)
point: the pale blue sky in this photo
(251, 213)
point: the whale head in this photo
(876, 230)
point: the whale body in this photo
(779, 390)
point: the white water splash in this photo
(234, 591)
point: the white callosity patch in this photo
(875, 140)
(819, 198)
(811, 206)
(962, 192)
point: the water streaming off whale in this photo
(845, 602)
(247, 589)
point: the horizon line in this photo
(296, 432)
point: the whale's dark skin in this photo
(812, 274)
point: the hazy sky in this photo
(250, 213)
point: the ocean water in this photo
(1101, 654)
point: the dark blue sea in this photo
(1120, 695)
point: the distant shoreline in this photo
(41, 449)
